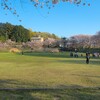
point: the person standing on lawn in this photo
(87, 57)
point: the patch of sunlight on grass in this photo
(47, 70)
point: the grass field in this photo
(48, 76)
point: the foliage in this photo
(20, 34)
(91, 50)
(81, 42)
(2, 39)
(50, 42)
(95, 40)
(45, 35)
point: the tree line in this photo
(18, 33)
(81, 42)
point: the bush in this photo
(51, 50)
(91, 50)
(2, 39)
(15, 50)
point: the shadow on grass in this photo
(51, 94)
(8, 93)
(55, 55)
(80, 61)
(62, 92)
(86, 75)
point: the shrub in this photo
(15, 50)
(51, 50)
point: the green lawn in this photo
(48, 76)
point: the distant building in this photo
(41, 39)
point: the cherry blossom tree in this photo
(8, 5)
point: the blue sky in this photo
(64, 19)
